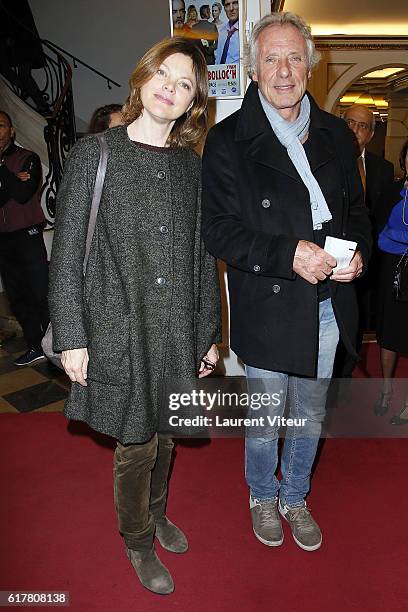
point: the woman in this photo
(192, 16)
(216, 12)
(105, 117)
(148, 307)
(392, 329)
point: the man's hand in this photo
(312, 263)
(23, 176)
(354, 270)
(75, 364)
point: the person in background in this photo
(178, 14)
(376, 175)
(23, 257)
(148, 308)
(392, 315)
(228, 35)
(216, 12)
(192, 16)
(105, 117)
(207, 33)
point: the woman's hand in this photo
(75, 364)
(208, 362)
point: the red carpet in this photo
(59, 528)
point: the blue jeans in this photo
(307, 400)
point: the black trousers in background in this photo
(24, 273)
(140, 474)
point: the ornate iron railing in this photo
(48, 90)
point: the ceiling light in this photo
(384, 73)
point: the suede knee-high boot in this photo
(169, 536)
(132, 473)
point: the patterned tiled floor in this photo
(40, 387)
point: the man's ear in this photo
(254, 77)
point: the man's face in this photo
(282, 69)
(6, 132)
(231, 8)
(178, 13)
(359, 120)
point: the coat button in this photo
(164, 229)
(257, 268)
(161, 174)
(276, 288)
(161, 280)
(266, 203)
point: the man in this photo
(23, 258)
(376, 173)
(228, 39)
(279, 175)
(178, 13)
(208, 34)
(376, 176)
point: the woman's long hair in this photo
(190, 127)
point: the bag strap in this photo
(96, 197)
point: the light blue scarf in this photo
(289, 134)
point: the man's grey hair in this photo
(284, 18)
(373, 119)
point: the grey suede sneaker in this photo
(266, 522)
(151, 571)
(305, 530)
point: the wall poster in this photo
(217, 29)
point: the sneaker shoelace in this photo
(302, 517)
(268, 512)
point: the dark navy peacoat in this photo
(256, 209)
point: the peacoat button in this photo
(257, 268)
(161, 174)
(164, 229)
(266, 203)
(276, 288)
(161, 280)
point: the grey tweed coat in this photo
(148, 307)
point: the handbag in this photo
(47, 341)
(400, 282)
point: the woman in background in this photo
(392, 315)
(192, 16)
(105, 117)
(148, 307)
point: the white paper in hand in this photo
(342, 250)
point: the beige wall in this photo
(339, 67)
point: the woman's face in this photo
(215, 11)
(115, 119)
(171, 91)
(192, 14)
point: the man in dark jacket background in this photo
(279, 176)
(377, 174)
(23, 257)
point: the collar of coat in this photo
(10, 149)
(263, 145)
